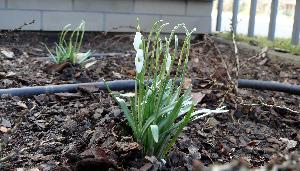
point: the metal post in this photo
(272, 24)
(219, 15)
(251, 25)
(296, 26)
(235, 11)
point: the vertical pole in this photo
(235, 11)
(272, 24)
(296, 26)
(219, 15)
(251, 25)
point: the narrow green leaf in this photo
(126, 111)
(186, 120)
(155, 132)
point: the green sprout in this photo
(160, 107)
(70, 50)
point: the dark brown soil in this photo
(87, 131)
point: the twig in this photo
(120, 27)
(236, 54)
(233, 86)
(274, 107)
(222, 59)
(261, 54)
(21, 117)
(16, 29)
(13, 154)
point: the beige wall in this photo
(104, 15)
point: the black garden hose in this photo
(70, 88)
(117, 85)
(269, 85)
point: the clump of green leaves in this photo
(160, 107)
(69, 50)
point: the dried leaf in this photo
(116, 74)
(22, 105)
(125, 147)
(197, 97)
(187, 83)
(253, 143)
(4, 129)
(289, 143)
(131, 72)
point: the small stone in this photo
(289, 143)
(6, 123)
(232, 139)
(8, 54)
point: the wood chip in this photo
(4, 129)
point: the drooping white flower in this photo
(176, 41)
(168, 63)
(139, 60)
(137, 40)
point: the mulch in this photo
(87, 131)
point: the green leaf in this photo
(126, 111)
(173, 115)
(51, 55)
(155, 132)
(85, 57)
(186, 120)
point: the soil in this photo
(87, 131)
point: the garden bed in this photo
(87, 130)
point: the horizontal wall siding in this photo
(104, 15)
(127, 22)
(11, 19)
(196, 8)
(40, 4)
(104, 5)
(175, 7)
(2, 4)
(200, 23)
(57, 20)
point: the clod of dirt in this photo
(94, 164)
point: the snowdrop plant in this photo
(69, 50)
(160, 107)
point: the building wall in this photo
(104, 15)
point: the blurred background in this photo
(284, 24)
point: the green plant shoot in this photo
(69, 50)
(160, 107)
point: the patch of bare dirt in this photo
(86, 130)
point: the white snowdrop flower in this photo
(139, 60)
(168, 64)
(176, 41)
(137, 40)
